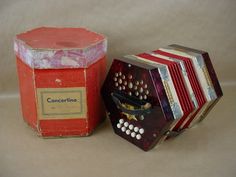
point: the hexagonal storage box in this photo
(60, 74)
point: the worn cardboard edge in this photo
(30, 53)
(104, 38)
(88, 133)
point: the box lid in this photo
(52, 48)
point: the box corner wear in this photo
(60, 73)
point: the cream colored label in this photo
(62, 103)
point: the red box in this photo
(60, 72)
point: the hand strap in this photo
(142, 109)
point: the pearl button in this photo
(145, 86)
(125, 82)
(141, 117)
(131, 127)
(141, 130)
(120, 73)
(145, 97)
(138, 136)
(128, 132)
(136, 129)
(133, 134)
(116, 74)
(120, 81)
(130, 85)
(126, 124)
(123, 129)
(118, 125)
(121, 121)
(115, 79)
(116, 84)
(141, 90)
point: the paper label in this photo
(61, 103)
